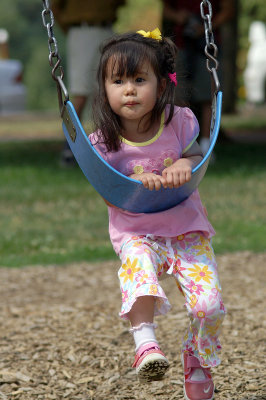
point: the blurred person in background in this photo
(86, 23)
(13, 92)
(4, 50)
(183, 22)
(255, 72)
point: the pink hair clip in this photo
(173, 78)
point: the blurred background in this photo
(26, 42)
(51, 214)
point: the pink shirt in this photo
(161, 151)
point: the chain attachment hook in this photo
(54, 57)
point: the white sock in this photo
(198, 375)
(143, 334)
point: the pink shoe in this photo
(150, 362)
(196, 389)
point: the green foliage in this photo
(254, 9)
(139, 14)
(249, 10)
(37, 73)
(29, 43)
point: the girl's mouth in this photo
(131, 103)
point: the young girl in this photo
(143, 135)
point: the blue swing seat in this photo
(120, 190)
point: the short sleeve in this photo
(186, 128)
(98, 145)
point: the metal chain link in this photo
(209, 37)
(211, 50)
(54, 57)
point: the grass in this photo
(234, 192)
(52, 215)
(48, 214)
(246, 119)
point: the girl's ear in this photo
(161, 87)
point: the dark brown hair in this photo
(130, 50)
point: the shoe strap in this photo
(190, 362)
(144, 349)
(148, 346)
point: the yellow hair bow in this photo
(155, 34)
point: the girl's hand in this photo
(178, 173)
(150, 181)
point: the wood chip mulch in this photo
(61, 337)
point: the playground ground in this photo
(61, 337)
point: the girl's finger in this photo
(150, 184)
(157, 184)
(145, 182)
(182, 178)
(176, 180)
(188, 176)
(163, 182)
(169, 179)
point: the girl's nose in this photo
(130, 88)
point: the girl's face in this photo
(132, 97)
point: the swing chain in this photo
(54, 57)
(211, 50)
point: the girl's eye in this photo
(139, 80)
(118, 81)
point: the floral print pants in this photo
(190, 259)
